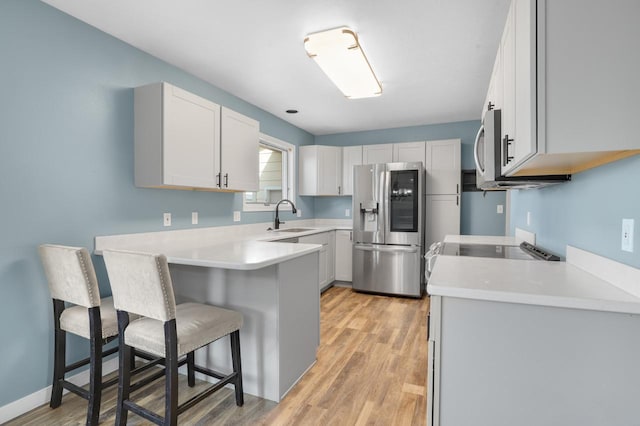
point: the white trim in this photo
(290, 192)
(42, 397)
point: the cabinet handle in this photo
(339, 190)
(490, 106)
(350, 235)
(506, 158)
(226, 180)
(457, 188)
(428, 325)
(457, 200)
(218, 180)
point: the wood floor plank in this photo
(371, 370)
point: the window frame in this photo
(290, 171)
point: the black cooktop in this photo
(525, 251)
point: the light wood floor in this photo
(371, 370)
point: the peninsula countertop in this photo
(240, 247)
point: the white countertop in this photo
(241, 247)
(532, 282)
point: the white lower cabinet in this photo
(327, 263)
(343, 256)
(498, 363)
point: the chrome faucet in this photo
(276, 223)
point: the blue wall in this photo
(66, 158)
(586, 213)
(478, 212)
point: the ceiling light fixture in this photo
(338, 53)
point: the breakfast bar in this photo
(274, 285)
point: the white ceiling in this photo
(433, 57)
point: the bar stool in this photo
(72, 279)
(142, 285)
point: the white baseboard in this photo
(42, 397)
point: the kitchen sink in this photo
(294, 230)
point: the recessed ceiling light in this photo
(339, 54)
(292, 111)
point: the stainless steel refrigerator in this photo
(388, 237)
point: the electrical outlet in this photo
(627, 235)
(528, 218)
(500, 209)
(347, 212)
(299, 212)
(167, 219)
(194, 218)
(236, 216)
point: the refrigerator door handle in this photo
(403, 249)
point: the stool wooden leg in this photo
(124, 381)
(191, 374)
(59, 355)
(171, 372)
(237, 366)
(95, 366)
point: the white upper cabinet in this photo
(380, 153)
(494, 98)
(239, 155)
(183, 141)
(408, 152)
(519, 141)
(320, 170)
(443, 167)
(177, 138)
(566, 104)
(351, 156)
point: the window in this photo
(276, 170)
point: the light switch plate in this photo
(236, 216)
(500, 209)
(528, 218)
(166, 219)
(347, 212)
(194, 218)
(627, 235)
(299, 212)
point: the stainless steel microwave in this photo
(488, 154)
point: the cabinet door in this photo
(323, 279)
(494, 93)
(519, 134)
(331, 258)
(351, 156)
(508, 121)
(329, 170)
(407, 152)
(381, 153)
(190, 138)
(343, 256)
(442, 217)
(443, 166)
(239, 153)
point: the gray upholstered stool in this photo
(141, 284)
(72, 279)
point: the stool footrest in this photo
(205, 393)
(71, 387)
